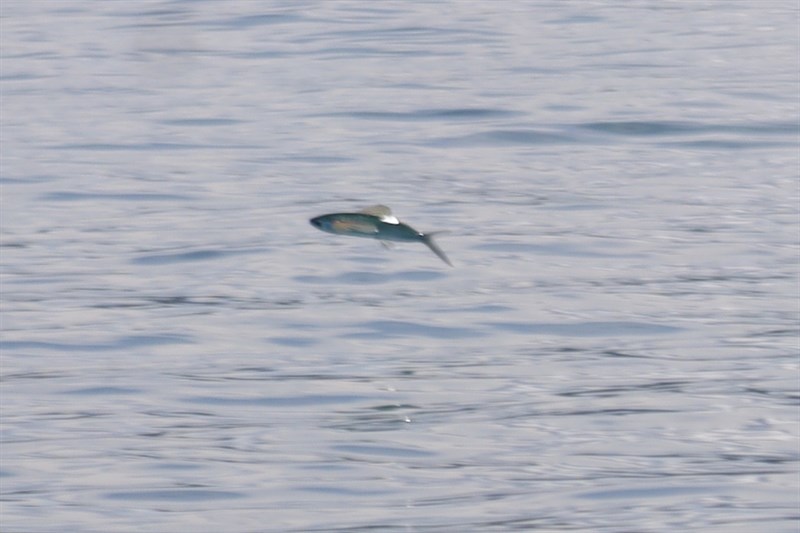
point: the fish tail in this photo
(428, 240)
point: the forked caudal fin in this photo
(428, 240)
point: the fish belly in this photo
(354, 227)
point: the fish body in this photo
(378, 223)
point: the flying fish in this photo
(376, 222)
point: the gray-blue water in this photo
(616, 349)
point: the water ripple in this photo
(122, 343)
(277, 401)
(69, 196)
(372, 278)
(381, 329)
(455, 114)
(586, 329)
(183, 257)
(174, 495)
(505, 137)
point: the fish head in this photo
(320, 223)
(325, 223)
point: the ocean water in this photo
(615, 350)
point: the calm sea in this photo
(615, 350)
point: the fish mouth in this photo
(316, 222)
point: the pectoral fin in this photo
(382, 212)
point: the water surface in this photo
(615, 349)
